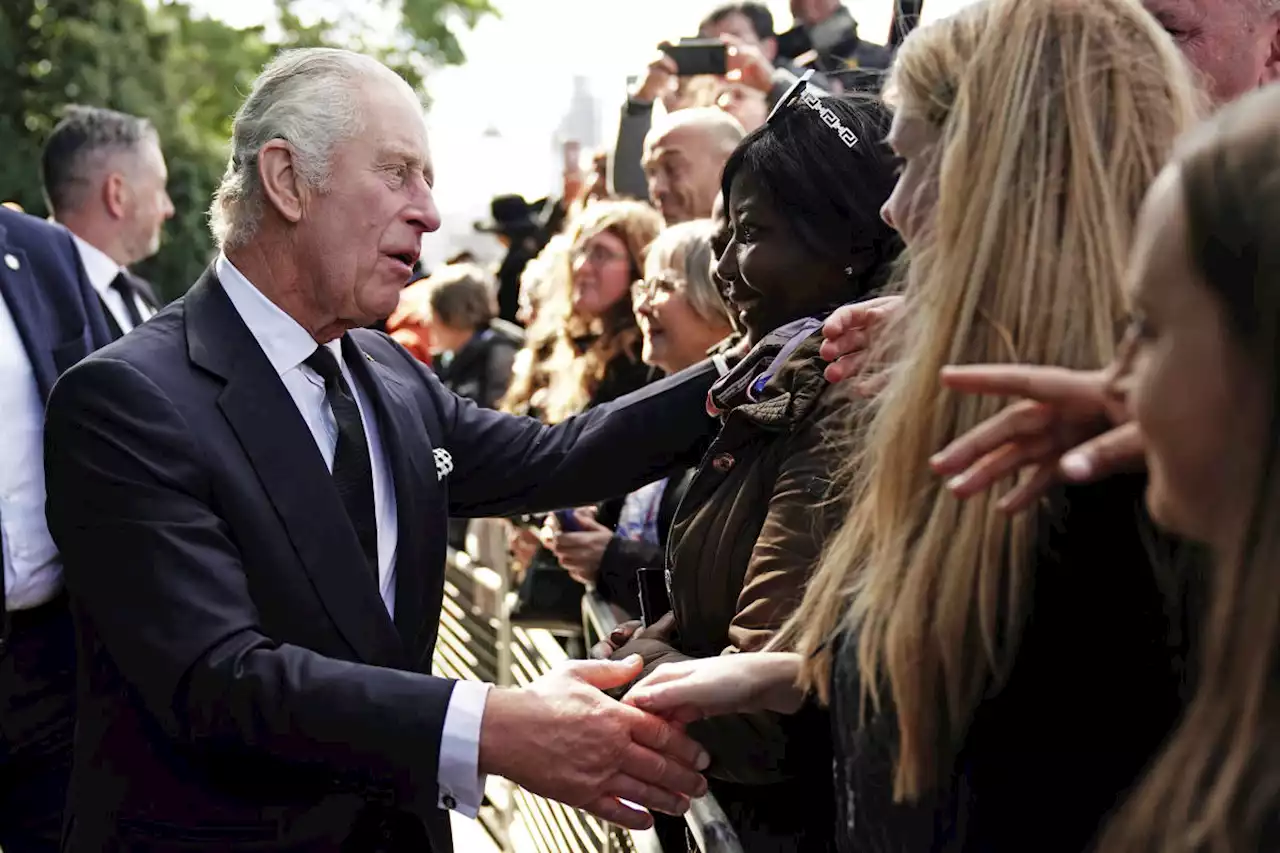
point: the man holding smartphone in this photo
(751, 62)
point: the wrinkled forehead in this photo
(686, 139)
(393, 115)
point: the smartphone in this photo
(698, 56)
(568, 521)
(655, 600)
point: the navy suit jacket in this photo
(44, 287)
(245, 687)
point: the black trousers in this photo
(37, 723)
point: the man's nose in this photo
(423, 214)
(167, 208)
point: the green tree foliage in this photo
(187, 74)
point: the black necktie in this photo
(121, 285)
(352, 470)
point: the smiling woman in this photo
(804, 212)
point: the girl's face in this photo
(911, 205)
(1198, 398)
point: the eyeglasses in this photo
(596, 256)
(800, 96)
(646, 289)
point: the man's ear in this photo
(115, 195)
(281, 183)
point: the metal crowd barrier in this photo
(707, 822)
(477, 641)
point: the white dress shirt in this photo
(32, 571)
(287, 345)
(102, 270)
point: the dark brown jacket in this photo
(746, 539)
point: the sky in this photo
(493, 121)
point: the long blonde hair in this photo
(1218, 781)
(1054, 118)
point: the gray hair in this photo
(685, 249)
(80, 145)
(306, 97)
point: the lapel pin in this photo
(11, 262)
(371, 361)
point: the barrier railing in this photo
(707, 822)
(477, 641)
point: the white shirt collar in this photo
(283, 340)
(98, 265)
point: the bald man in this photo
(684, 155)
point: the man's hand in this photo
(561, 738)
(729, 684)
(1073, 427)
(747, 65)
(849, 333)
(580, 552)
(658, 80)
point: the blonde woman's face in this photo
(1196, 397)
(910, 207)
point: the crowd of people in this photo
(915, 410)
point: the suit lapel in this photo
(420, 508)
(30, 312)
(284, 456)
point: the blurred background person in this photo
(596, 354)
(827, 30)
(474, 348)
(681, 317)
(684, 155)
(584, 350)
(105, 179)
(409, 324)
(523, 228)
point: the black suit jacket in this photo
(52, 304)
(243, 684)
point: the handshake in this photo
(560, 737)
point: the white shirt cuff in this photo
(461, 785)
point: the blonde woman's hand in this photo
(728, 684)
(1072, 427)
(849, 333)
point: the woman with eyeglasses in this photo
(804, 236)
(996, 682)
(583, 350)
(681, 318)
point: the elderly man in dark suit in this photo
(49, 320)
(250, 492)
